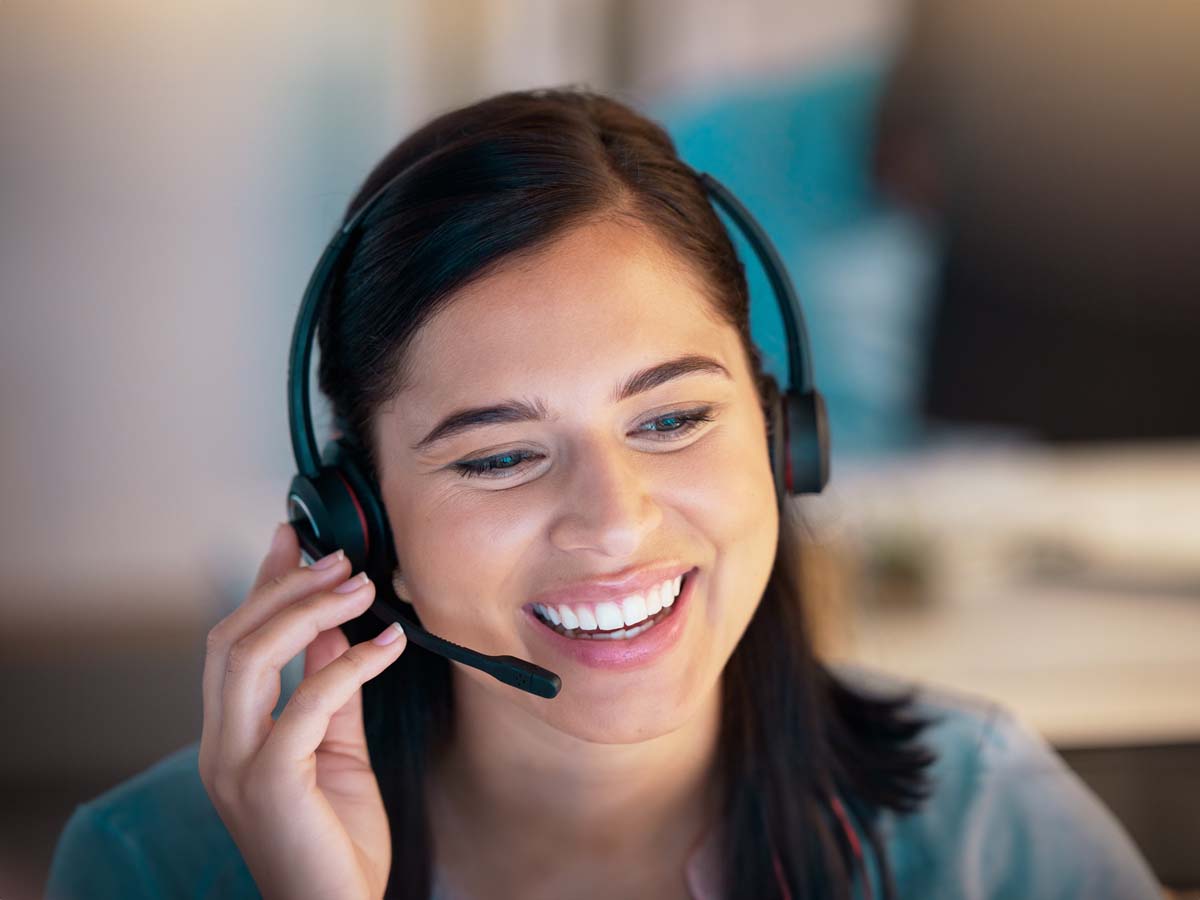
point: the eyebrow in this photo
(521, 411)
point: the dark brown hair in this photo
(505, 177)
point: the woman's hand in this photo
(297, 794)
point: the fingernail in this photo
(277, 537)
(349, 587)
(331, 560)
(388, 635)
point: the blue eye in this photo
(471, 467)
(685, 423)
(688, 421)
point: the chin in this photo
(619, 723)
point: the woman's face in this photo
(598, 487)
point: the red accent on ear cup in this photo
(362, 519)
(365, 515)
(329, 514)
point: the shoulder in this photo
(156, 834)
(1006, 818)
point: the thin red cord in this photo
(840, 812)
(787, 895)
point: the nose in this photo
(605, 505)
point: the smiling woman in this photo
(541, 343)
(539, 340)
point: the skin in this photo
(298, 795)
(613, 781)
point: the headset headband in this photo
(304, 442)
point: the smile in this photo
(611, 621)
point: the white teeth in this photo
(608, 616)
(668, 594)
(612, 616)
(653, 601)
(622, 634)
(633, 609)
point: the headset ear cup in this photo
(327, 509)
(344, 457)
(808, 442)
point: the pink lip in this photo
(621, 655)
(598, 590)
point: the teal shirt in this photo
(1007, 820)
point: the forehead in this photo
(606, 298)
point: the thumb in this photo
(282, 557)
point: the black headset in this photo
(334, 501)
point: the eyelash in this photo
(471, 467)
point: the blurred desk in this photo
(1085, 669)
(1063, 582)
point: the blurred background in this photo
(990, 211)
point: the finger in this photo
(281, 589)
(252, 680)
(286, 582)
(328, 646)
(273, 565)
(306, 718)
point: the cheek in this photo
(459, 558)
(730, 479)
(741, 519)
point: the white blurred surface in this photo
(1062, 582)
(170, 173)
